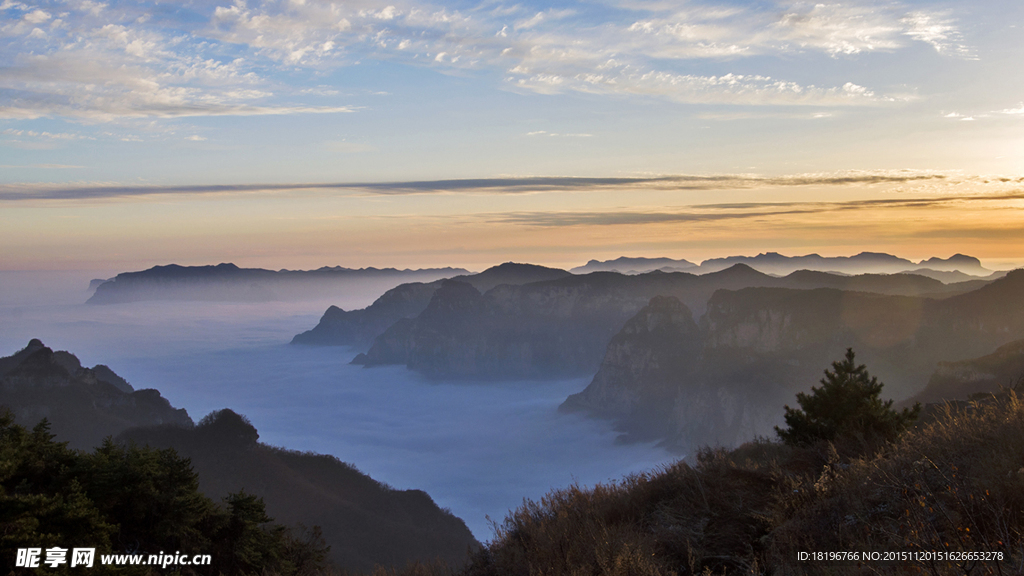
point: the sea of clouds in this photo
(477, 448)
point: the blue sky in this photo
(110, 95)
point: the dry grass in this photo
(956, 484)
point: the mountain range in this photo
(723, 377)
(777, 264)
(683, 358)
(561, 327)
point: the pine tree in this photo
(847, 405)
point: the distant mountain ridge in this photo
(228, 282)
(777, 264)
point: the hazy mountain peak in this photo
(516, 267)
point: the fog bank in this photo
(477, 448)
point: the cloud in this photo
(45, 166)
(737, 211)
(101, 65)
(525, 185)
(937, 29)
(556, 134)
(98, 62)
(1014, 111)
(44, 134)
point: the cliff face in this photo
(655, 353)
(727, 379)
(989, 374)
(84, 405)
(358, 328)
(561, 327)
(540, 330)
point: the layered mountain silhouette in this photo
(366, 523)
(777, 264)
(561, 327)
(724, 378)
(358, 328)
(227, 282)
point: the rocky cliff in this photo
(561, 327)
(726, 379)
(358, 328)
(989, 374)
(656, 353)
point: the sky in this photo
(304, 133)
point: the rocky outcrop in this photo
(83, 405)
(540, 330)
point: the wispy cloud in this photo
(558, 135)
(737, 211)
(15, 192)
(44, 166)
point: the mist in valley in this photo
(478, 448)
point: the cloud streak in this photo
(738, 211)
(525, 185)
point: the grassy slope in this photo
(955, 484)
